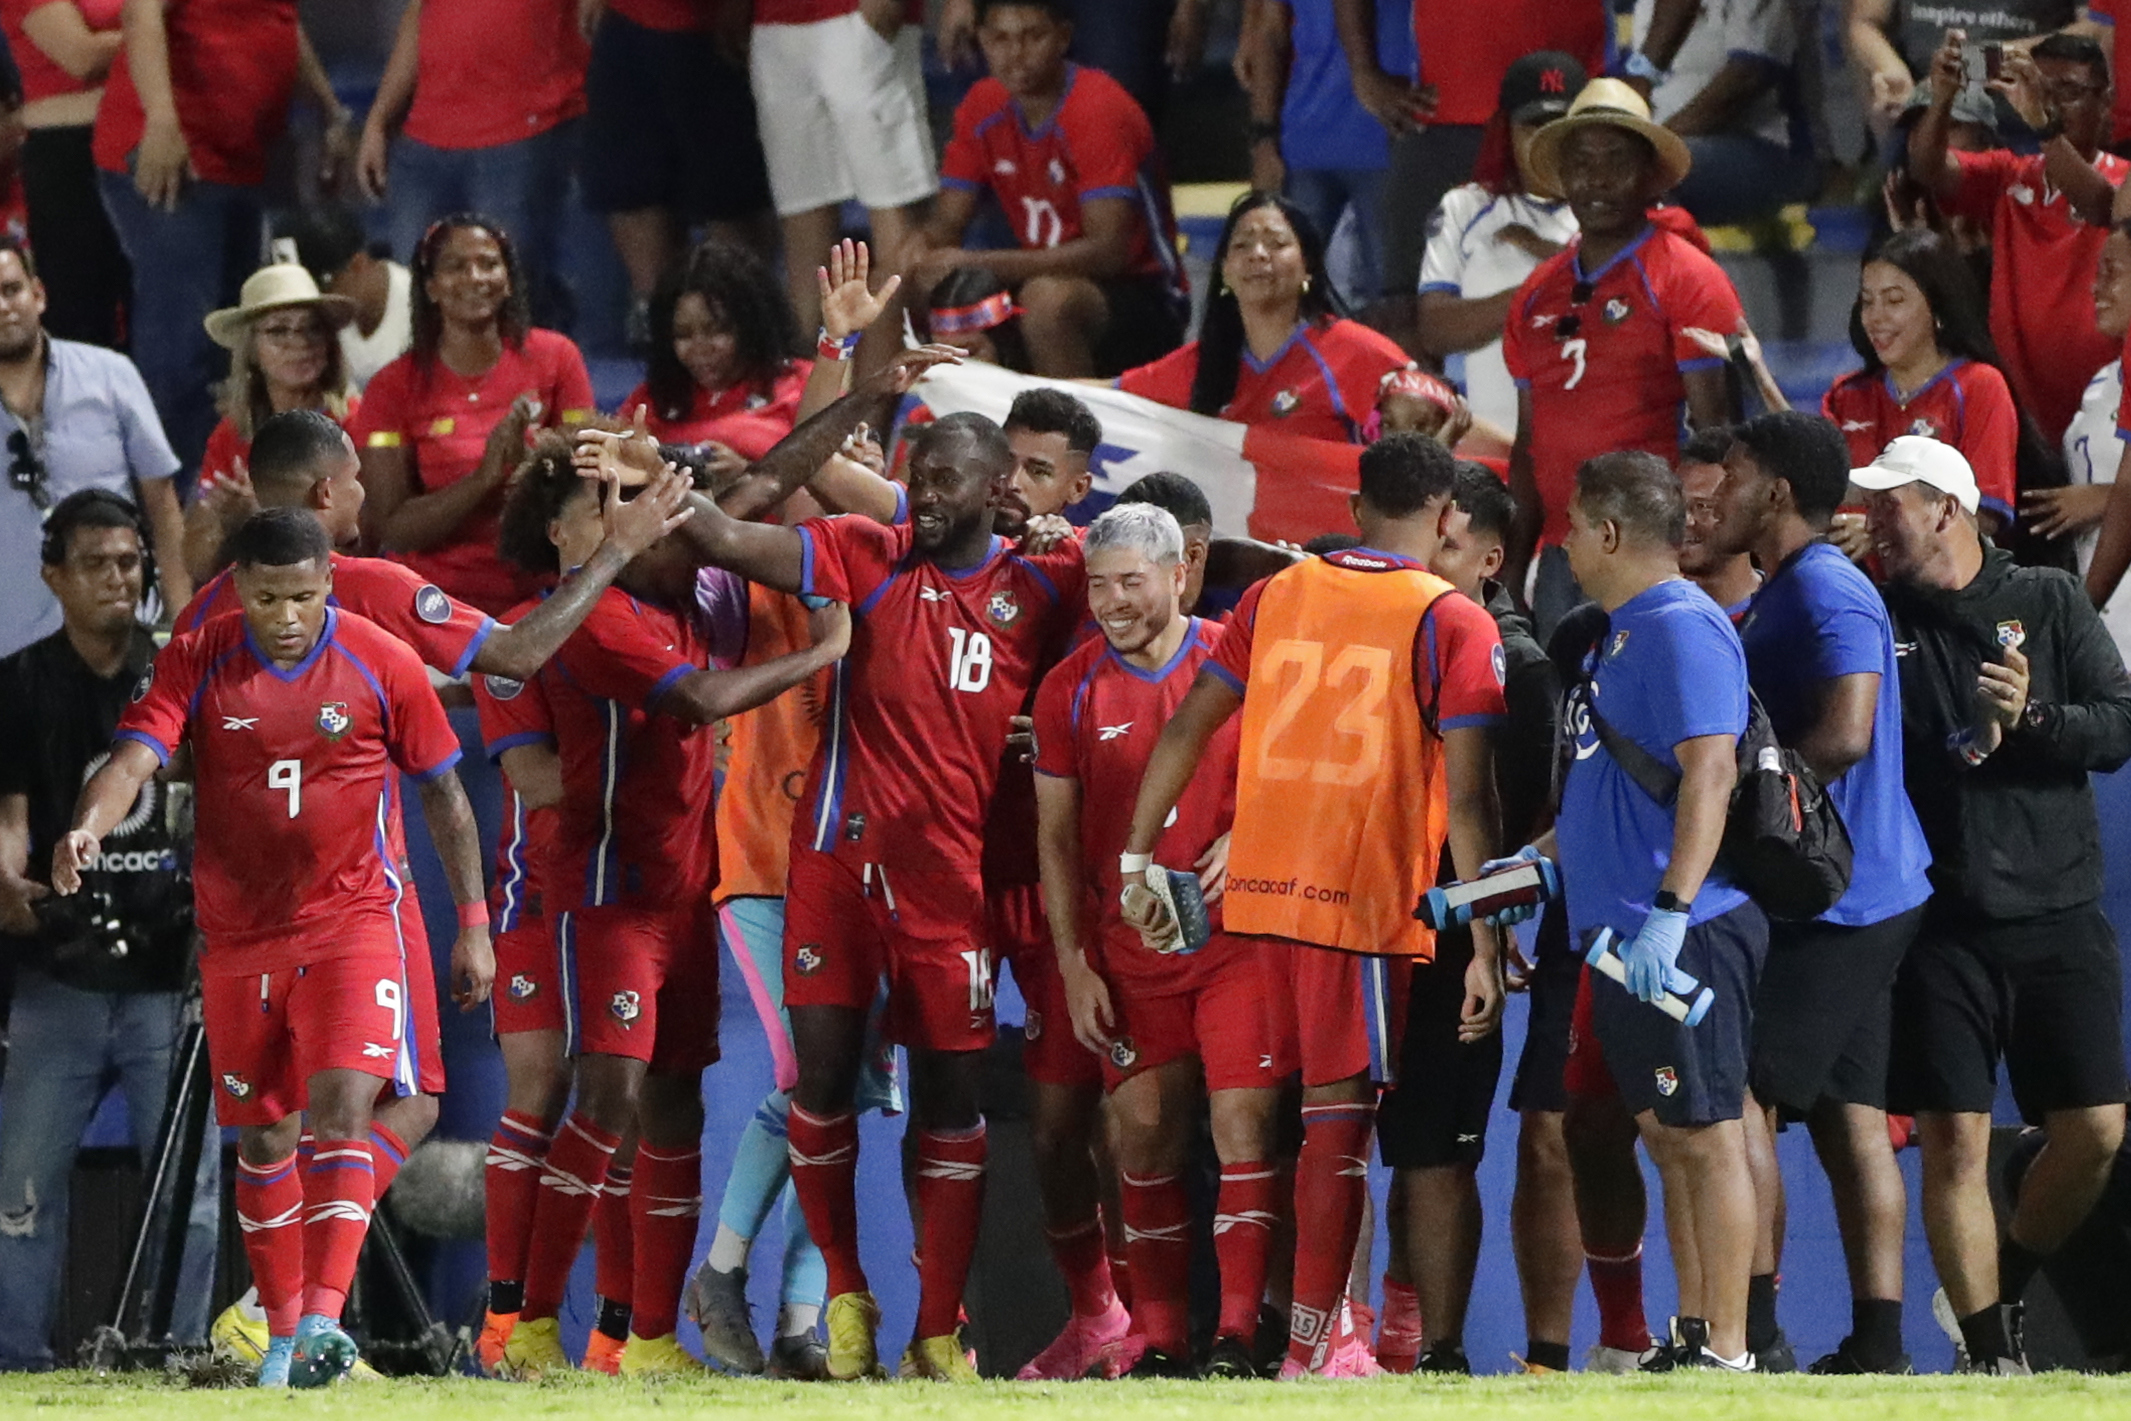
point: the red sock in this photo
(1244, 1214)
(339, 1191)
(1078, 1252)
(1158, 1241)
(387, 1153)
(570, 1183)
(613, 1240)
(1331, 1179)
(950, 1188)
(270, 1211)
(1617, 1283)
(512, 1181)
(1120, 1277)
(825, 1177)
(666, 1203)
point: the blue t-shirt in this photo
(1819, 618)
(1322, 125)
(1670, 669)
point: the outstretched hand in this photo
(899, 374)
(634, 526)
(630, 455)
(848, 302)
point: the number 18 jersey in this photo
(941, 659)
(295, 771)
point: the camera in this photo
(95, 924)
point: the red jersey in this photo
(1614, 383)
(637, 785)
(1465, 52)
(515, 713)
(2118, 44)
(1966, 405)
(490, 72)
(232, 73)
(42, 78)
(748, 418)
(225, 446)
(445, 633)
(941, 659)
(443, 420)
(1097, 144)
(296, 773)
(2042, 279)
(670, 16)
(1321, 384)
(1097, 718)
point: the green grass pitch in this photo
(2060, 1397)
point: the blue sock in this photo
(761, 1165)
(312, 1323)
(806, 1272)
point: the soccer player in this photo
(1597, 336)
(1070, 158)
(300, 717)
(1369, 689)
(1160, 1021)
(950, 631)
(1820, 654)
(1671, 678)
(630, 695)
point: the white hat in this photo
(275, 287)
(1915, 459)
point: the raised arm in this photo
(1930, 164)
(701, 697)
(105, 800)
(450, 820)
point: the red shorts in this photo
(1586, 1073)
(528, 995)
(1336, 1014)
(268, 1033)
(1021, 937)
(641, 983)
(1220, 1018)
(847, 925)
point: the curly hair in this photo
(538, 490)
(1213, 384)
(745, 297)
(513, 319)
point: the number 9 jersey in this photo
(295, 772)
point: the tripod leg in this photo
(189, 1059)
(192, 1112)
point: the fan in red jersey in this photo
(1159, 1021)
(300, 718)
(951, 628)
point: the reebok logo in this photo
(239, 722)
(1112, 732)
(374, 1052)
(933, 594)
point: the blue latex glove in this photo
(1651, 961)
(1510, 917)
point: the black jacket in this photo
(1524, 746)
(2015, 836)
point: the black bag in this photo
(1784, 841)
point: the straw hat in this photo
(1613, 103)
(275, 287)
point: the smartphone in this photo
(1983, 63)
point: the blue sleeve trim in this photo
(806, 560)
(1227, 677)
(473, 648)
(1427, 286)
(664, 684)
(1706, 363)
(1090, 194)
(1467, 722)
(902, 506)
(1998, 506)
(437, 771)
(1049, 587)
(162, 755)
(962, 184)
(1521, 383)
(512, 742)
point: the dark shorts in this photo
(1437, 1114)
(669, 123)
(1146, 323)
(1688, 1075)
(2044, 993)
(1824, 1016)
(1552, 993)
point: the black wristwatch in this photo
(1262, 129)
(2034, 716)
(1668, 901)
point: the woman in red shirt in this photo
(722, 369)
(1274, 347)
(1930, 368)
(442, 428)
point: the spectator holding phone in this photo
(2012, 696)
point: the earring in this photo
(1305, 283)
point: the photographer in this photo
(2012, 693)
(98, 977)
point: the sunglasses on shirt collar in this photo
(1571, 325)
(26, 471)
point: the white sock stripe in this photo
(1249, 1218)
(835, 1156)
(1355, 1166)
(1590, 1257)
(676, 1209)
(1167, 1233)
(1230, 1178)
(958, 1170)
(581, 1133)
(510, 1161)
(565, 1182)
(1155, 1182)
(291, 1215)
(323, 1155)
(339, 1209)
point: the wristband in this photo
(1963, 743)
(1260, 130)
(827, 347)
(473, 915)
(1134, 863)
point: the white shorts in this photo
(843, 115)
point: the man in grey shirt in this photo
(72, 416)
